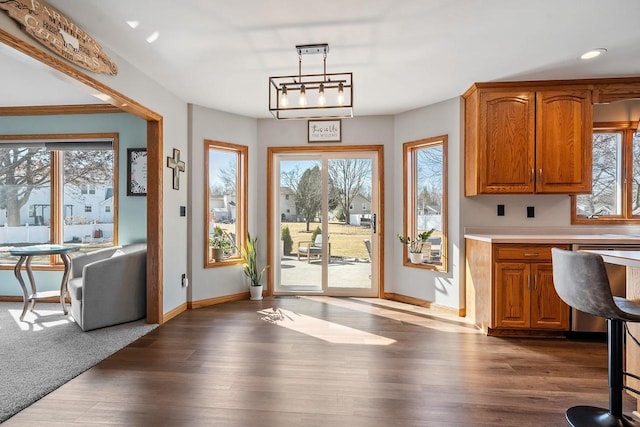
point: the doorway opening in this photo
(324, 221)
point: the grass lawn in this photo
(346, 240)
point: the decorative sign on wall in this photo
(59, 34)
(136, 172)
(325, 130)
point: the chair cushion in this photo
(74, 287)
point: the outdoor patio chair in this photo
(309, 248)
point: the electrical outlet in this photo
(185, 281)
(531, 211)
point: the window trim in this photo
(242, 199)
(627, 129)
(57, 193)
(409, 199)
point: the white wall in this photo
(225, 127)
(442, 289)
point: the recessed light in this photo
(133, 24)
(153, 37)
(594, 53)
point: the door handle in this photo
(374, 224)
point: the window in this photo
(615, 195)
(48, 185)
(107, 209)
(87, 189)
(425, 199)
(225, 202)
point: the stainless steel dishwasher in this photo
(583, 322)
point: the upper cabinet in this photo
(564, 123)
(523, 140)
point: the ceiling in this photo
(404, 54)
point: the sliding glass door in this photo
(325, 209)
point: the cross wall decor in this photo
(177, 165)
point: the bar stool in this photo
(580, 279)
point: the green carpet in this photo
(48, 349)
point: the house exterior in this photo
(288, 210)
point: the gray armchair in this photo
(108, 286)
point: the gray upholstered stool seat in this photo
(581, 281)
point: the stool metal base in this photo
(591, 416)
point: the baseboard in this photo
(217, 300)
(424, 303)
(173, 313)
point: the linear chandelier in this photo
(311, 96)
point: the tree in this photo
(350, 178)
(309, 194)
(602, 199)
(22, 170)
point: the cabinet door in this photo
(512, 295)
(548, 311)
(506, 142)
(564, 122)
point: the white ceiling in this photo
(404, 54)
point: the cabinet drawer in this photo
(531, 253)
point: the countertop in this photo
(626, 258)
(551, 236)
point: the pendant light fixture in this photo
(326, 95)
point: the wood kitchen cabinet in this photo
(524, 292)
(525, 140)
(510, 289)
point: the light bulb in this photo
(303, 96)
(340, 94)
(284, 101)
(321, 98)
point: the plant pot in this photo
(415, 258)
(256, 292)
(217, 254)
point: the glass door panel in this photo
(351, 218)
(300, 266)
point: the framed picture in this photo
(325, 130)
(136, 171)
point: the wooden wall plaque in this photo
(55, 31)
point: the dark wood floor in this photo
(328, 362)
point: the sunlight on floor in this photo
(424, 317)
(321, 329)
(39, 320)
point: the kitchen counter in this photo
(544, 237)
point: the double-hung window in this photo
(615, 195)
(56, 190)
(425, 199)
(225, 202)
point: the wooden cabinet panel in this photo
(563, 141)
(524, 252)
(507, 142)
(548, 311)
(528, 139)
(513, 300)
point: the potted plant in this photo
(251, 269)
(417, 245)
(220, 243)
